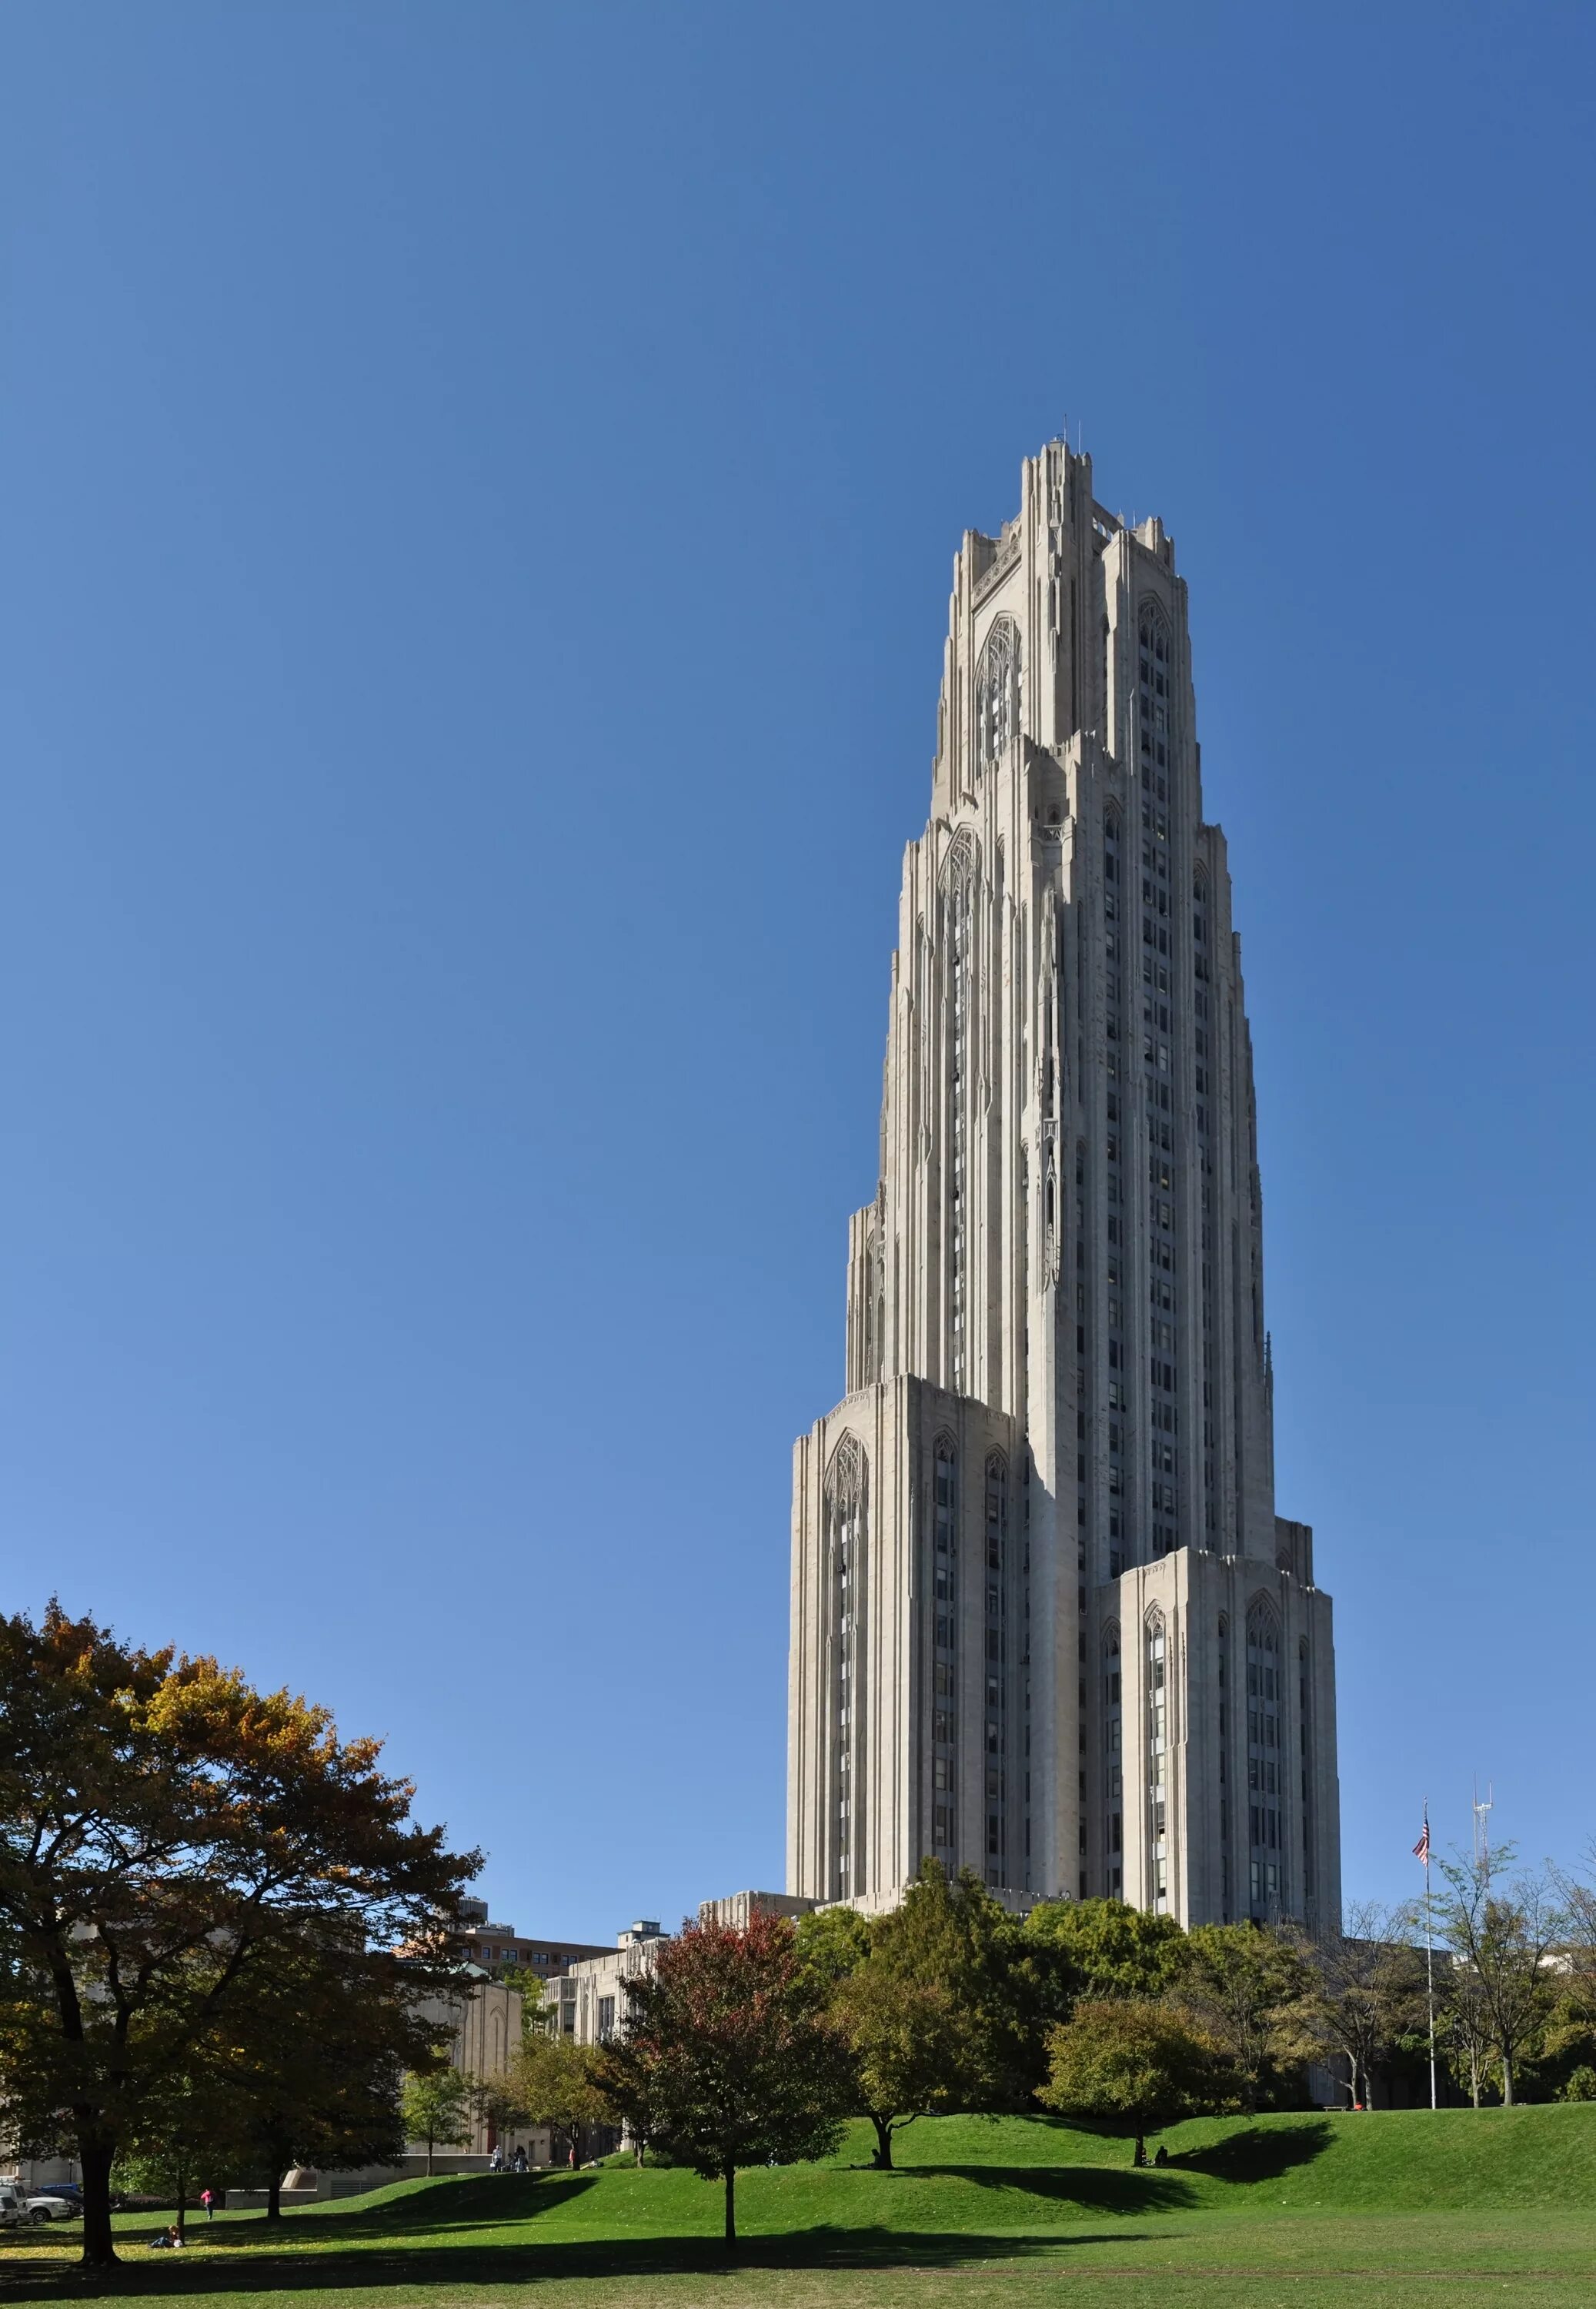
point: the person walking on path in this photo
(208, 2202)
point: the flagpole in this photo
(1429, 1958)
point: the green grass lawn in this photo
(1304, 2211)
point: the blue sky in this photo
(480, 484)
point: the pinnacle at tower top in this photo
(1046, 1622)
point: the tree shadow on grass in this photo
(470, 2203)
(248, 2270)
(1261, 2153)
(1096, 2188)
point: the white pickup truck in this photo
(16, 2211)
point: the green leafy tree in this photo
(1243, 1987)
(950, 1934)
(1504, 1931)
(163, 1828)
(315, 2059)
(435, 2108)
(726, 2058)
(1464, 2029)
(1138, 2062)
(194, 2136)
(1363, 1990)
(1099, 1949)
(555, 2084)
(831, 1943)
(500, 2104)
(914, 2051)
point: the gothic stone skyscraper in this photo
(1045, 1621)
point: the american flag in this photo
(1421, 1849)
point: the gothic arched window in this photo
(997, 692)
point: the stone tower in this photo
(1046, 1622)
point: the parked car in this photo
(15, 2210)
(53, 2205)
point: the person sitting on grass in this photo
(170, 2240)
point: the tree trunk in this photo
(883, 2143)
(182, 2207)
(1507, 2080)
(95, 2163)
(1141, 2156)
(429, 2156)
(274, 2193)
(731, 2204)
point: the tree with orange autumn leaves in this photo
(170, 1839)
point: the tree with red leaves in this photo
(726, 2058)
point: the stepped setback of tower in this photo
(1045, 1621)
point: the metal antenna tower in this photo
(1482, 1844)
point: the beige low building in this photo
(589, 2003)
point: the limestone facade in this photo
(589, 2002)
(1044, 1620)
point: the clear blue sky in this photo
(479, 487)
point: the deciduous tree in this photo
(555, 2084)
(726, 2058)
(1135, 2061)
(1099, 1948)
(315, 2057)
(950, 1934)
(1363, 1988)
(164, 1827)
(1502, 1929)
(1240, 1984)
(914, 2051)
(436, 2107)
(832, 1942)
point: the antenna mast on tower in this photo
(1482, 1844)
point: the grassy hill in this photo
(1318, 2211)
(966, 2173)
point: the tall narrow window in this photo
(996, 1668)
(1266, 1760)
(958, 949)
(1155, 659)
(944, 1635)
(1113, 1767)
(847, 1506)
(1305, 1765)
(1157, 1689)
